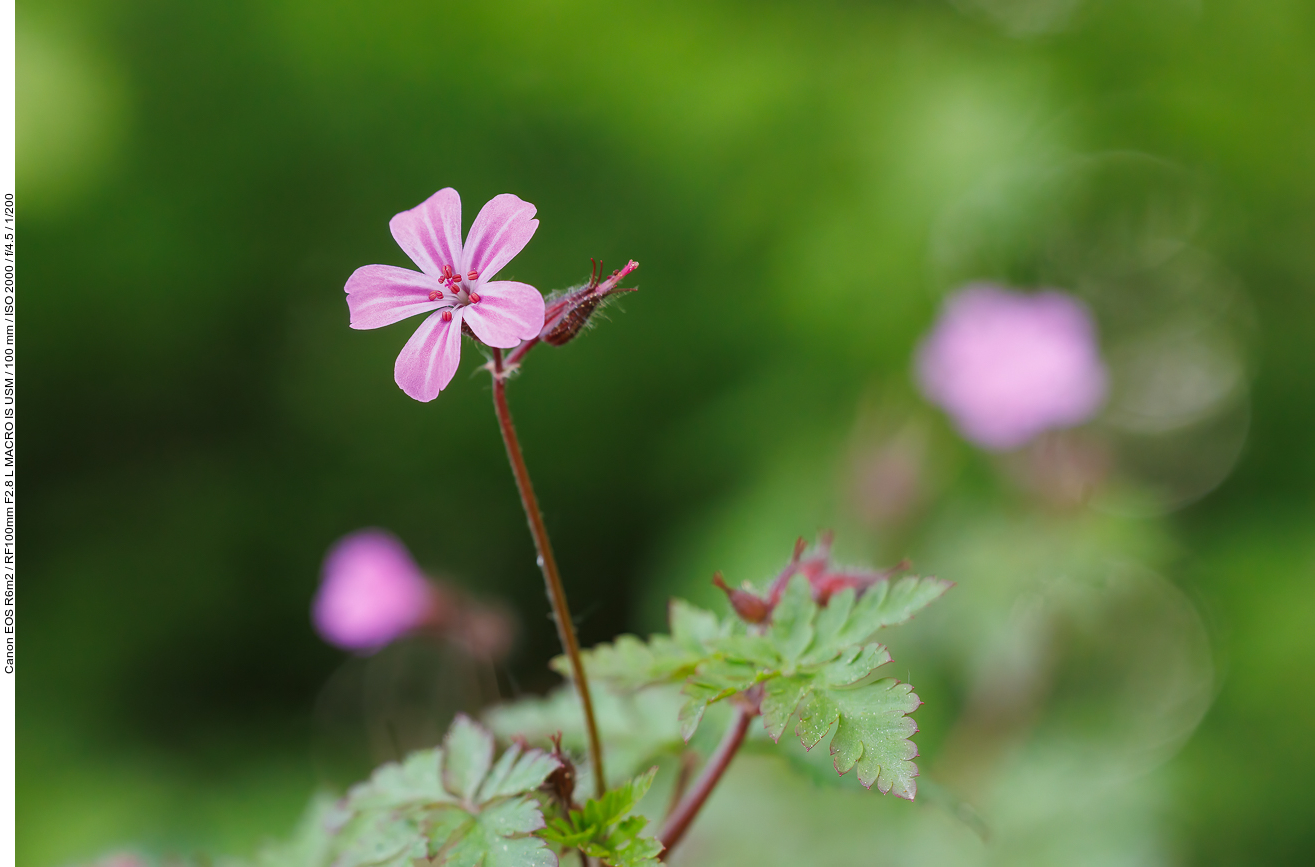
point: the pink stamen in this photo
(447, 271)
(474, 297)
(447, 315)
(435, 294)
(473, 275)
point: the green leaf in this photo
(517, 771)
(615, 804)
(415, 781)
(791, 629)
(630, 663)
(712, 681)
(467, 752)
(887, 604)
(606, 828)
(497, 838)
(781, 696)
(872, 733)
(816, 665)
(449, 806)
(853, 664)
(822, 675)
(637, 727)
(625, 847)
(387, 839)
(827, 628)
(692, 627)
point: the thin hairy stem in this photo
(556, 593)
(683, 816)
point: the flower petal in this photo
(504, 226)
(372, 592)
(430, 233)
(430, 358)
(507, 313)
(379, 295)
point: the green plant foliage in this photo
(310, 845)
(606, 829)
(451, 806)
(630, 663)
(637, 726)
(815, 664)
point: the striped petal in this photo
(430, 358)
(506, 313)
(430, 233)
(379, 295)
(504, 226)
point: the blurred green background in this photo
(1124, 677)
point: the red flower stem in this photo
(683, 816)
(515, 356)
(688, 761)
(556, 593)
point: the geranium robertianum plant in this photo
(800, 653)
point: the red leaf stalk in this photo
(683, 816)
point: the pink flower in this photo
(455, 286)
(1007, 366)
(371, 592)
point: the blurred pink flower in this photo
(1007, 366)
(454, 286)
(371, 592)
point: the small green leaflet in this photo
(605, 829)
(815, 664)
(451, 806)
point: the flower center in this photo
(451, 281)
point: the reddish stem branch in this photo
(688, 762)
(514, 357)
(683, 816)
(556, 593)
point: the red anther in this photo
(447, 271)
(447, 315)
(435, 294)
(474, 297)
(473, 275)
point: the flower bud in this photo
(751, 607)
(823, 577)
(567, 315)
(561, 782)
